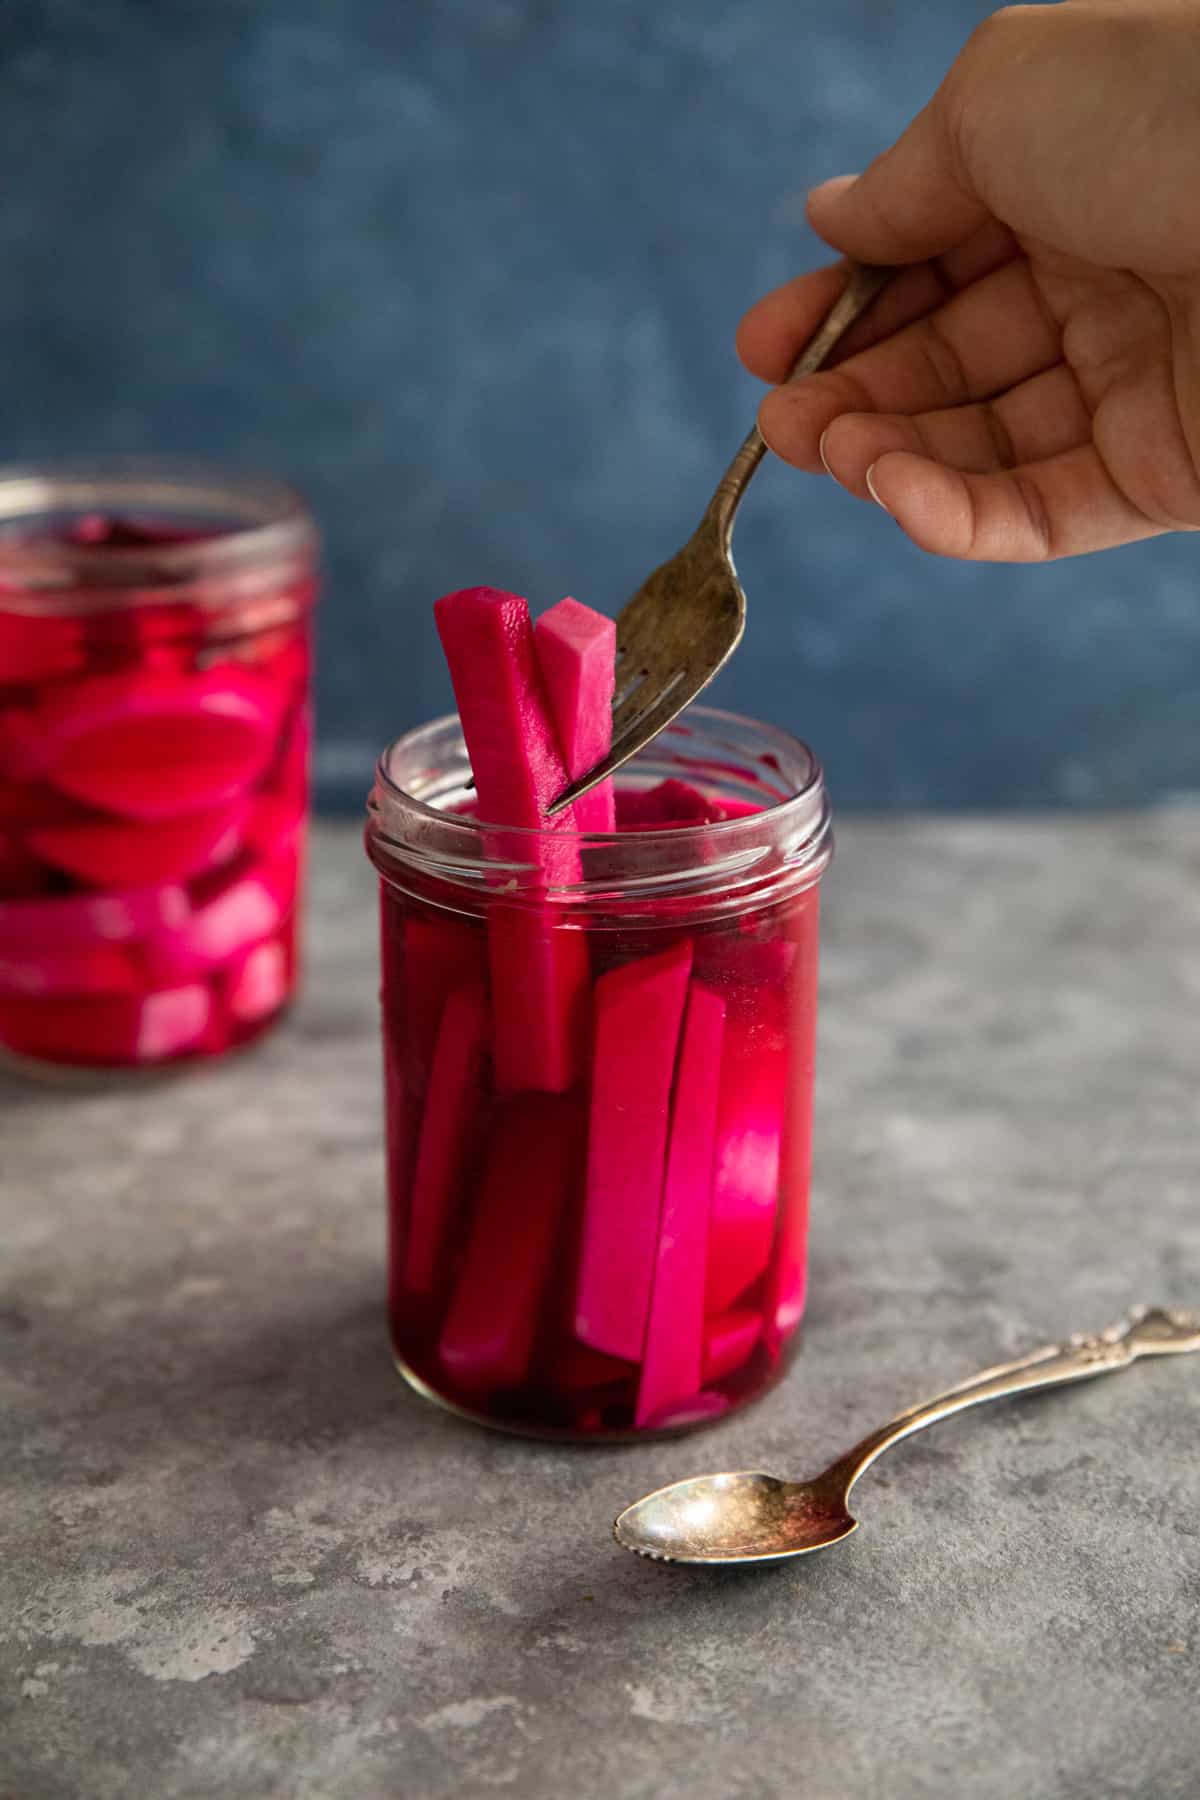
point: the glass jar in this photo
(154, 729)
(598, 1059)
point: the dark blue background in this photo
(469, 271)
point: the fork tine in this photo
(675, 670)
(635, 732)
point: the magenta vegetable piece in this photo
(259, 983)
(639, 1008)
(488, 639)
(439, 953)
(103, 969)
(273, 824)
(750, 1120)
(33, 803)
(21, 874)
(539, 974)
(402, 1117)
(446, 1139)
(575, 1369)
(119, 1029)
(759, 956)
(728, 1342)
(528, 1186)
(667, 807)
(151, 747)
(701, 1409)
(114, 853)
(171, 1020)
(787, 1283)
(37, 647)
(671, 1360)
(243, 911)
(20, 750)
(280, 807)
(576, 652)
(288, 774)
(77, 921)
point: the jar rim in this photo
(789, 835)
(260, 518)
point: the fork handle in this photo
(864, 282)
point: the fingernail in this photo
(821, 452)
(872, 492)
(837, 184)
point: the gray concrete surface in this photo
(240, 1561)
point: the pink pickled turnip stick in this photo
(786, 1287)
(750, 1115)
(123, 1028)
(439, 953)
(576, 1369)
(666, 807)
(445, 1140)
(259, 982)
(118, 853)
(577, 652)
(671, 1362)
(638, 1012)
(728, 1342)
(532, 1171)
(539, 973)
(487, 636)
(104, 969)
(78, 921)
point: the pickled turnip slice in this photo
(671, 1362)
(639, 1008)
(528, 1185)
(151, 747)
(451, 1105)
(118, 853)
(750, 1117)
(576, 652)
(539, 973)
(728, 1342)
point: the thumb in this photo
(913, 202)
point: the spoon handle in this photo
(864, 282)
(1148, 1331)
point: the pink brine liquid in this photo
(153, 796)
(626, 1253)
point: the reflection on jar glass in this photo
(154, 730)
(599, 1062)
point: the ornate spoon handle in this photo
(1149, 1331)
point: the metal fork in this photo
(687, 619)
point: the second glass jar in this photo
(154, 723)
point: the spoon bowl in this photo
(747, 1516)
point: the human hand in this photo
(1030, 388)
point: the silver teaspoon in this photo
(746, 1516)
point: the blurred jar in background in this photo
(154, 731)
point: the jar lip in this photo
(793, 805)
(781, 845)
(270, 521)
